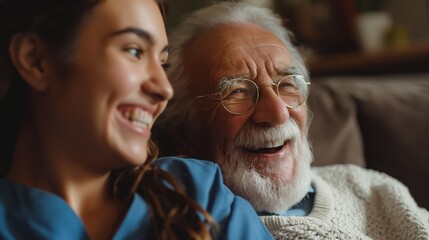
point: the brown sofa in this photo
(379, 122)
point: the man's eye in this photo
(287, 88)
(136, 52)
(286, 85)
(239, 90)
(237, 93)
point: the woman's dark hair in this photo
(57, 22)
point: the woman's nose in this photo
(157, 86)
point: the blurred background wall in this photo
(347, 34)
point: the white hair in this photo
(180, 111)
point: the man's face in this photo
(269, 140)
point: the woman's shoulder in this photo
(203, 182)
(196, 175)
(32, 213)
(191, 163)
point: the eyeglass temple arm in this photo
(208, 95)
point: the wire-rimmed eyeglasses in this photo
(240, 95)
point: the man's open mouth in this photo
(266, 149)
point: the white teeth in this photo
(138, 117)
(140, 125)
(272, 144)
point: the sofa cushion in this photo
(392, 113)
(334, 131)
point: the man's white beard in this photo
(244, 175)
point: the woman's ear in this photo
(30, 57)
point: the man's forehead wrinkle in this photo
(269, 66)
(276, 67)
(224, 52)
(229, 69)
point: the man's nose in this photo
(270, 108)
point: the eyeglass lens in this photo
(241, 95)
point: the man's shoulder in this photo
(353, 177)
(347, 170)
(382, 198)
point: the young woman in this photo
(81, 83)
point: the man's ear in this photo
(29, 55)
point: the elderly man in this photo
(240, 93)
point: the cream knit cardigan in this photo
(355, 203)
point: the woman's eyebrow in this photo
(137, 31)
(142, 34)
(166, 49)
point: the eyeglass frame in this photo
(257, 96)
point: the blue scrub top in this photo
(30, 213)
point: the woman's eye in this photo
(136, 52)
(165, 66)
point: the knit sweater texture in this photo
(355, 203)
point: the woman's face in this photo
(102, 109)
